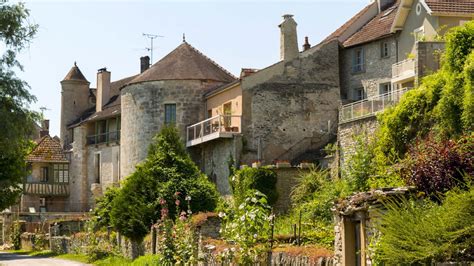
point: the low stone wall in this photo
(31, 241)
(287, 179)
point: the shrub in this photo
(246, 224)
(436, 166)
(420, 231)
(166, 170)
(104, 207)
(147, 260)
(261, 179)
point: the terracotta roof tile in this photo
(75, 74)
(346, 25)
(451, 6)
(376, 28)
(48, 150)
(185, 63)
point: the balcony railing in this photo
(403, 70)
(46, 189)
(112, 136)
(220, 126)
(370, 106)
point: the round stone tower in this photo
(74, 100)
(170, 91)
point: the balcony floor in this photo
(209, 137)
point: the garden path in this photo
(7, 259)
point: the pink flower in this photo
(177, 202)
(162, 201)
(177, 193)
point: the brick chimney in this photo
(288, 38)
(144, 63)
(306, 44)
(44, 128)
(103, 89)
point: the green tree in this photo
(168, 174)
(16, 119)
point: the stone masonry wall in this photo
(428, 58)
(347, 132)
(109, 167)
(377, 70)
(143, 114)
(78, 183)
(287, 179)
(287, 106)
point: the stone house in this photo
(386, 49)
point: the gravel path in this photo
(7, 259)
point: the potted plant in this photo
(282, 164)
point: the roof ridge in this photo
(209, 59)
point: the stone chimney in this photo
(306, 44)
(144, 63)
(288, 38)
(44, 128)
(103, 89)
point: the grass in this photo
(113, 261)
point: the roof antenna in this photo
(151, 37)
(184, 37)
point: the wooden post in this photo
(50, 237)
(294, 233)
(153, 239)
(299, 231)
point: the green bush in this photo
(167, 170)
(420, 231)
(261, 179)
(104, 207)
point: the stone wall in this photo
(347, 133)
(428, 56)
(109, 167)
(377, 70)
(78, 182)
(215, 158)
(287, 179)
(287, 106)
(143, 114)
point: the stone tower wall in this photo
(143, 114)
(74, 101)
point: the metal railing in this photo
(370, 106)
(46, 189)
(216, 124)
(111, 136)
(401, 68)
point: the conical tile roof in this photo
(185, 63)
(75, 74)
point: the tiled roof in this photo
(185, 63)
(377, 28)
(346, 25)
(48, 150)
(75, 74)
(451, 6)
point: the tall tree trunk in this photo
(136, 248)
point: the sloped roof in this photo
(48, 150)
(377, 28)
(185, 63)
(348, 24)
(451, 6)
(75, 74)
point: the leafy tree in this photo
(16, 119)
(168, 174)
(104, 207)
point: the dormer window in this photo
(358, 60)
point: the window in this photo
(359, 94)
(61, 173)
(170, 114)
(385, 88)
(358, 60)
(97, 168)
(44, 174)
(385, 50)
(419, 34)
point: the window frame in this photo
(44, 178)
(358, 67)
(170, 118)
(61, 173)
(359, 94)
(385, 47)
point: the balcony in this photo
(46, 189)
(370, 106)
(220, 126)
(403, 71)
(107, 137)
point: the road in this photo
(7, 259)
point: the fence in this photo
(370, 106)
(212, 128)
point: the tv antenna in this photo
(151, 37)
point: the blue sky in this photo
(98, 34)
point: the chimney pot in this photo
(144, 63)
(306, 44)
(44, 128)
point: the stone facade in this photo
(287, 106)
(428, 56)
(143, 114)
(377, 70)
